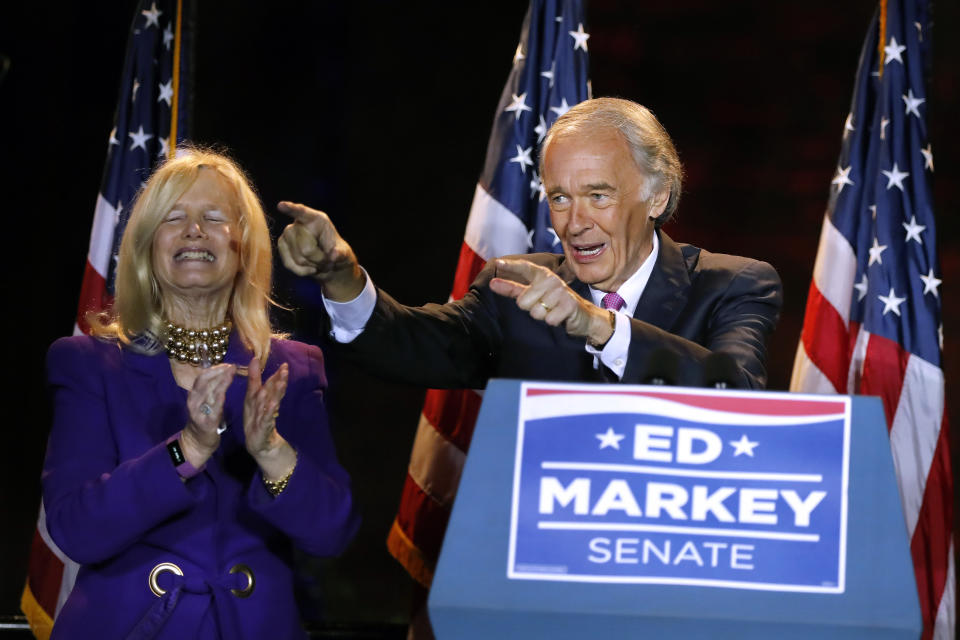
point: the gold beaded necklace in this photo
(197, 346)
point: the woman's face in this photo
(196, 248)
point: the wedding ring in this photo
(546, 306)
(205, 409)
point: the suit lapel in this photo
(666, 292)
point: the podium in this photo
(619, 511)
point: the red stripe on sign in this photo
(782, 406)
(823, 331)
(930, 546)
(468, 266)
(93, 296)
(453, 413)
(884, 365)
(45, 573)
(422, 519)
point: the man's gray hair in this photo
(649, 142)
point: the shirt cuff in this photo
(614, 353)
(348, 319)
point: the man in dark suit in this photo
(621, 289)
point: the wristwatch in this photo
(180, 462)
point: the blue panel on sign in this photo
(658, 486)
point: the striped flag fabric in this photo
(872, 323)
(509, 215)
(151, 119)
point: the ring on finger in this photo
(206, 409)
(546, 306)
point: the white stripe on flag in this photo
(914, 434)
(946, 612)
(435, 463)
(835, 269)
(70, 568)
(492, 229)
(806, 376)
(857, 357)
(101, 236)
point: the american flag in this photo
(509, 215)
(872, 322)
(151, 119)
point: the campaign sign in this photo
(728, 489)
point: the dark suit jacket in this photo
(115, 503)
(695, 302)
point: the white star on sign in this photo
(518, 56)
(519, 105)
(523, 158)
(152, 15)
(562, 109)
(893, 51)
(930, 284)
(609, 439)
(167, 37)
(579, 38)
(530, 238)
(875, 252)
(895, 177)
(927, 157)
(883, 127)
(861, 287)
(166, 92)
(540, 129)
(743, 445)
(164, 147)
(139, 139)
(848, 125)
(913, 230)
(912, 103)
(842, 178)
(891, 302)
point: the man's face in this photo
(595, 191)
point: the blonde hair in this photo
(650, 144)
(136, 318)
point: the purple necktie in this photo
(612, 301)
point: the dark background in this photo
(379, 112)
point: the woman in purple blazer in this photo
(174, 475)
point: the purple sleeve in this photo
(316, 510)
(97, 504)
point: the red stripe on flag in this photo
(93, 296)
(823, 331)
(930, 546)
(45, 574)
(884, 366)
(468, 266)
(423, 519)
(453, 413)
(780, 406)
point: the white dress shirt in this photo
(348, 319)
